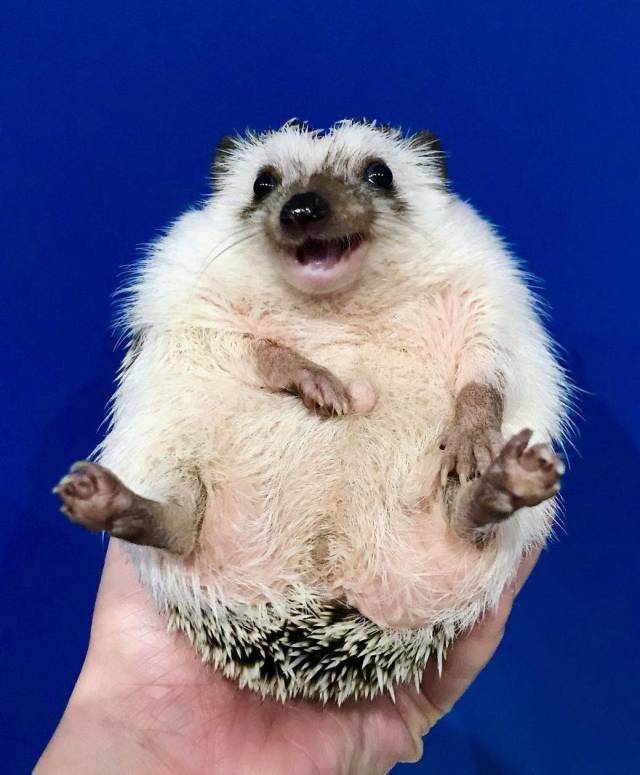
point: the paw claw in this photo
(320, 390)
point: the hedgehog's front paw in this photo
(92, 496)
(321, 391)
(468, 451)
(527, 476)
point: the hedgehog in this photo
(332, 439)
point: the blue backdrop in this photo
(111, 111)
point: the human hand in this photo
(145, 703)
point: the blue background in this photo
(111, 112)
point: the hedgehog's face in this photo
(321, 200)
(320, 224)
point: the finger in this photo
(329, 397)
(518, 443)
(448, 464)
(483, 458)
(310, 402)
(495, 443)
(82, 466)
(542, 454)
(465, 464)
(310, 392)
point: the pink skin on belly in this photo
(422, 578)
(236, 551)
(413, 583)
(425, 569)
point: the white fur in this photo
(440, 302)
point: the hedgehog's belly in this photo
(341, 509)
(325, 567)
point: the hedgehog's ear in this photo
(428, 141)
(220, 156)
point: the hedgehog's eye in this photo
(264, 184)
(378, 174)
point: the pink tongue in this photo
(319, 251)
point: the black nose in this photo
(304, 209)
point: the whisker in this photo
(397, 227)
(230, 236)
(398, 224)
(209, 260)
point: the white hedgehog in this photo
(306, 446)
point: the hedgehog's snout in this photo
(318, 233)
(303, 211)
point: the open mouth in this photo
(325, 254)
(325, 265)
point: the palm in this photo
(163, 710)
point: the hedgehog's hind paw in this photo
(531, 475)
(95, 498)
(92, 496)
(520, 476)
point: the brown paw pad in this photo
(90, 495)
